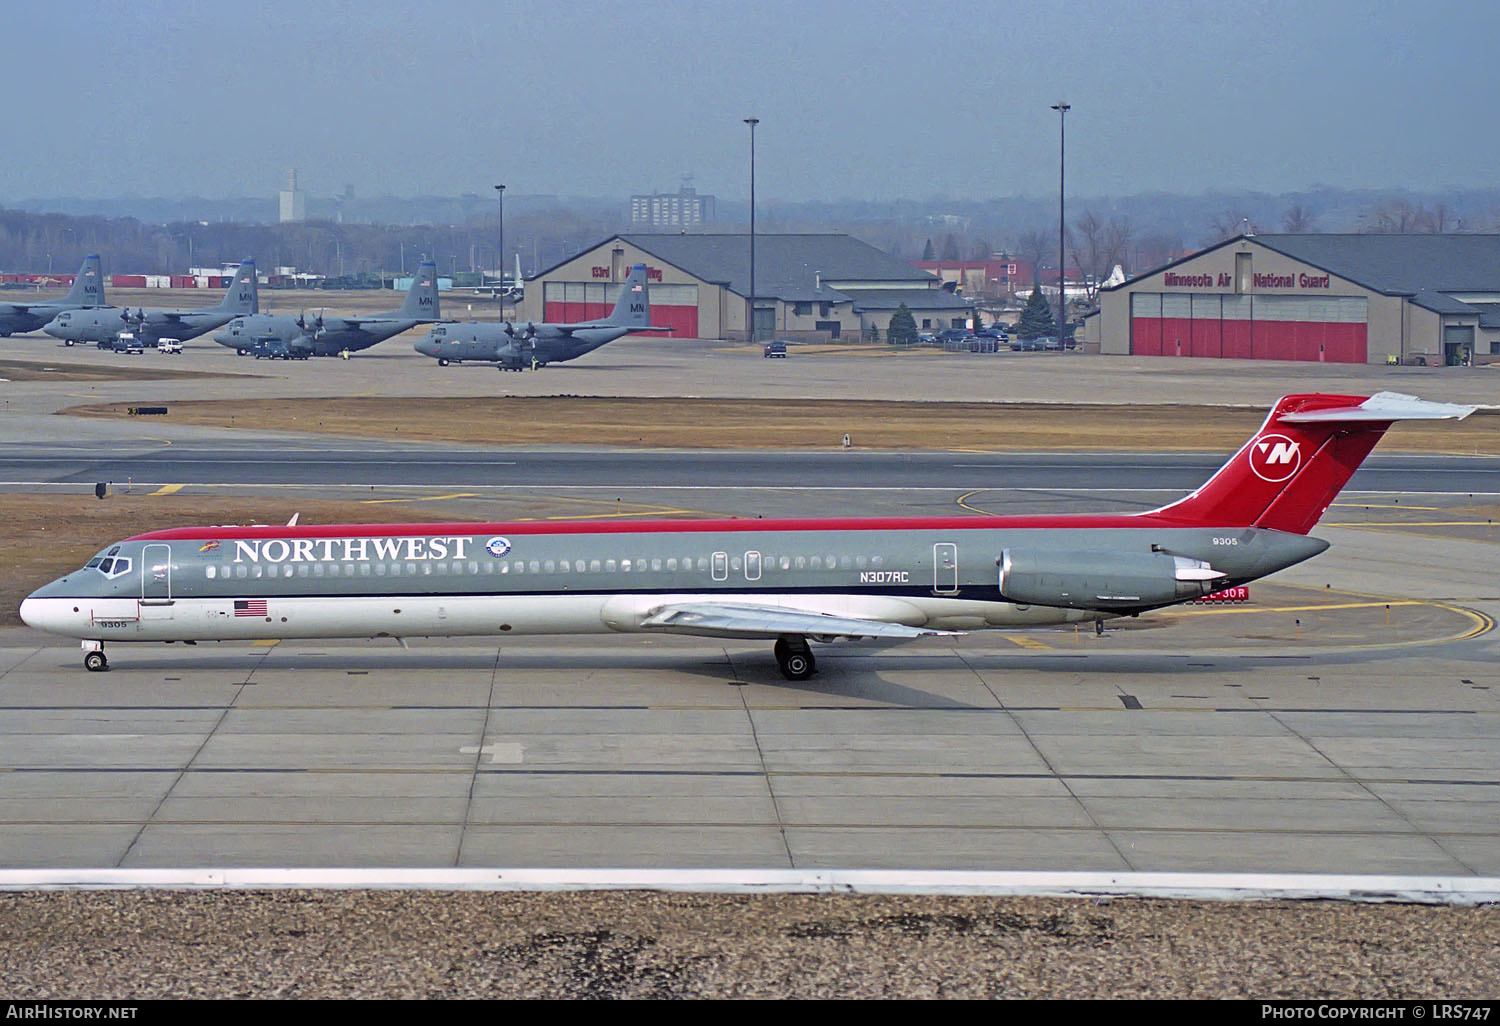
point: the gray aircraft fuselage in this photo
(334, 338)
(944, 573)
(330, 336)
(490, 343)
(151, 326)
(99, 325)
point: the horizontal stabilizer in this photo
(727, 621)
(1383, 406)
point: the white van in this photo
(169, 345)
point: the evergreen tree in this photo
(903, 329)
(1036, 318)
(928, 253)
(950, 248)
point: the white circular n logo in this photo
(1275, 458)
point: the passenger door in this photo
(156, 582)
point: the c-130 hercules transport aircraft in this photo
(790, 581)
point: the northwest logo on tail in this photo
(1275, 458)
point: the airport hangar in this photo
(1376, 299)
(808, 286)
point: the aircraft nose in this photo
(55, 615)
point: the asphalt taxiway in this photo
(1343, 722)
(1325, 727)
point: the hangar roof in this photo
(915, 299)
(1438, 303)
(1489, 314)
(786, 266)
(1400, 264)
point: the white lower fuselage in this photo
(410, 616)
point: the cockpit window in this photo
(111, 567)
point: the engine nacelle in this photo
(1103, 580)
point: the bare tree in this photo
(1298, 218)
(1097, 247)
(1437, 220)
(1034, 246)
(1396, 216)
(1231, 223)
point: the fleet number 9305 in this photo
(1226, 541)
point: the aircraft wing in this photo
(568, 329)
(709, 619)
(360, 323)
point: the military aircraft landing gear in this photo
(442, 363)
(794, 658)
(93, 656)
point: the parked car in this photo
(126, 343)
(926, 338)
(775, 350)
(169, 345)
(1050, 343)
(1026, 345)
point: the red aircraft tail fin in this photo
(1286, 476)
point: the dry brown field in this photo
(788, 424)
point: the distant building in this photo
(1373, 299)
(808, 286)
(683, 210)
(1000, 276)
(293, 200)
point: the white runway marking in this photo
(504, 753)
(1431, 890)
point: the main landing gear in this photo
(794, 658)
(93, 656)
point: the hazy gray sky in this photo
(873, 100)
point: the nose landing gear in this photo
(794, 658)
(93, 657)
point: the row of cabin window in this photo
(241, 571)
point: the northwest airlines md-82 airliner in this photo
(790, 581)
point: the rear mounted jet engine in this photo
(1103, 580)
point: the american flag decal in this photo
(249, 607)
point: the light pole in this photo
(750, 321)
(1062, 229)
(501, 190)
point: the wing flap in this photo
(747, 621)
